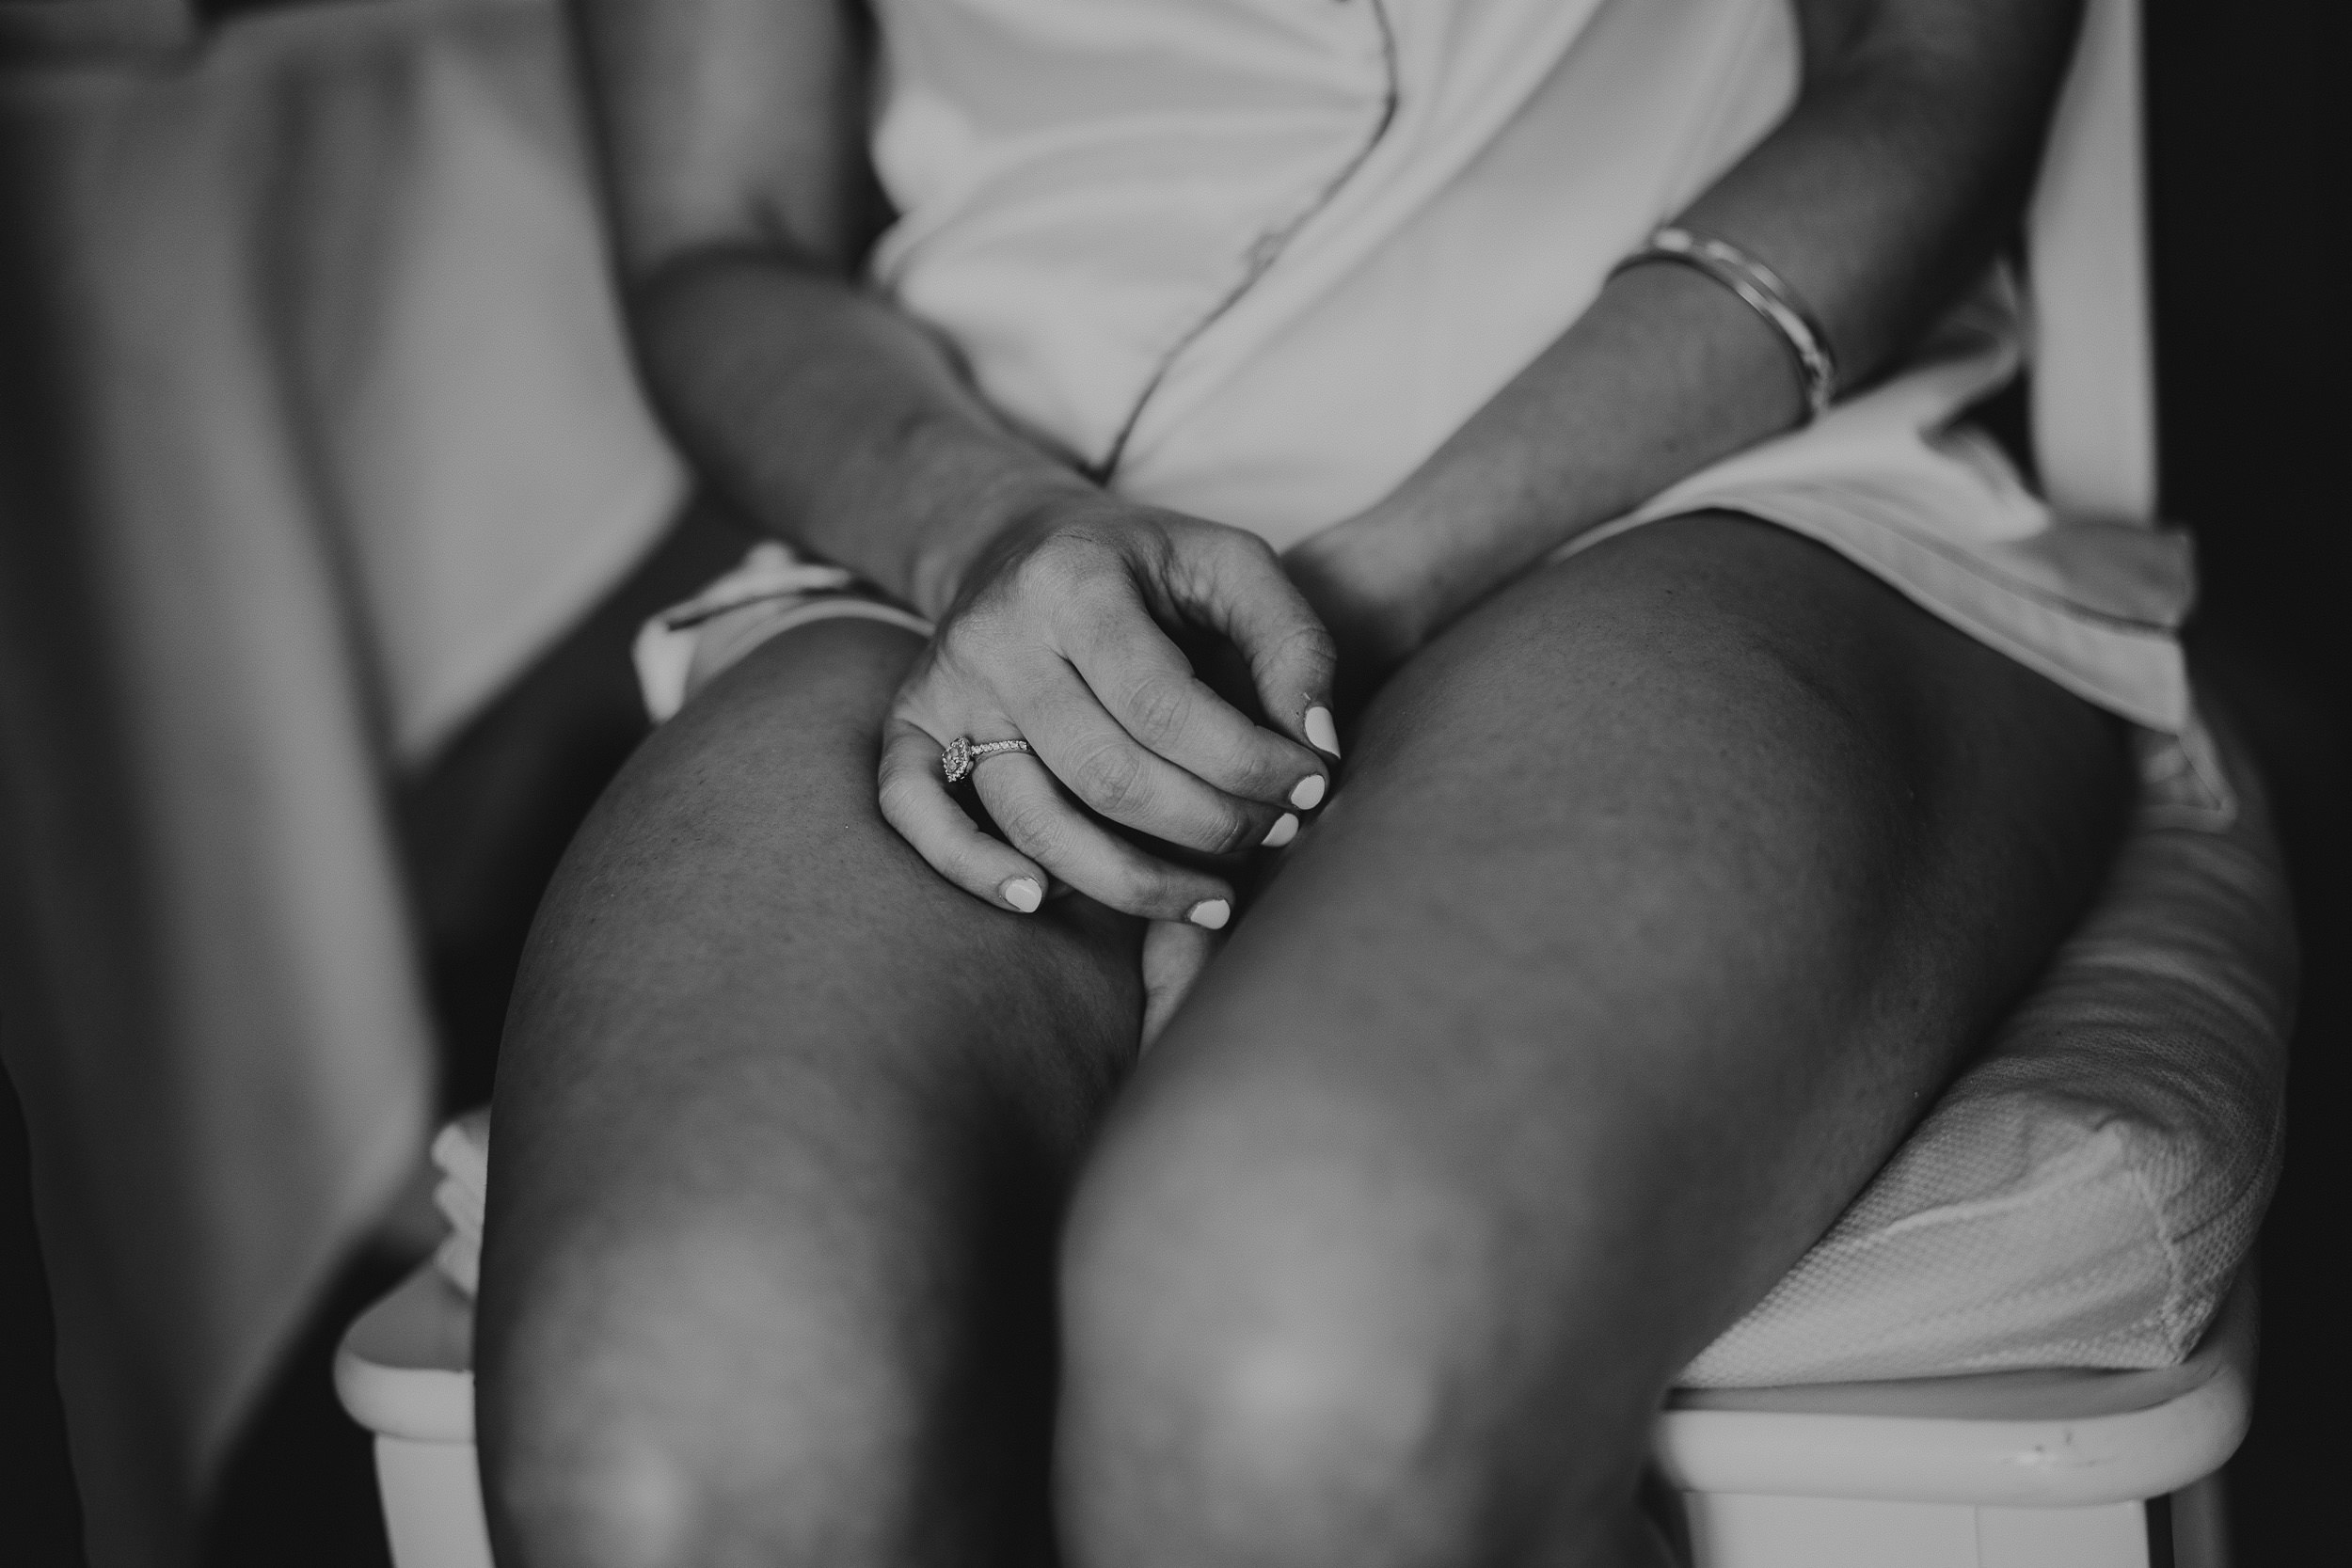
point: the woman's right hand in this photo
(1060, 636)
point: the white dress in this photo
(1257, 259)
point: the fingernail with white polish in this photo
(1285, 829)
(1322, 734)
(1309, 795)
(1023, 894)
(1210, 913)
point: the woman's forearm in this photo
(733, 134)
(1890, 186)
(833, 421)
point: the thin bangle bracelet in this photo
(1761, 288)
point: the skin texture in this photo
(743, 201)
(1647, 919)
(1663, 888)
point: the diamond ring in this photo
(963, 754)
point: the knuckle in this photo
(1158, 707)
(1307, 643)
(1047, 576)
(1253, 549)
(1234, 833)
(1146, 888)
(1245, 561)
(1214, 826)
(896, 796)
(1035, 828)
(948, 663)
(1113, 779)
(967, 866)
(974, 642)
(1262, 769)
(1058, 568)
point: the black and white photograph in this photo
(1174, 784)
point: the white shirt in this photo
(1256, 259)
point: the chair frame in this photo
(2030, 1469)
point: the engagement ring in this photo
(963, 752)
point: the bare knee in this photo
(686, 1397)
(1282, 1346)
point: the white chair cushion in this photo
(2083, 1195)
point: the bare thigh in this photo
(783, 1127)
(1658, 900)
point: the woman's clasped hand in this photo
(1061, 634)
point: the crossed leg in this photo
(1661, 895)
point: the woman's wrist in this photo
(1357, 574)
(945, 553)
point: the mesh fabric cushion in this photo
(2083, 1194)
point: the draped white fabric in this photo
(316, 421)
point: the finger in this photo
(1240, 589)
(1174, 957)
(915, 801)
(1117, 777)
(1031, 811)
(1144, 681)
